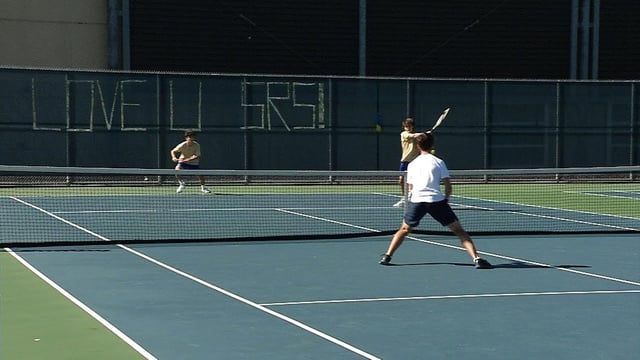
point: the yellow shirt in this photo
(187, 150)
(409, 148)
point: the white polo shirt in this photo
(425, 173)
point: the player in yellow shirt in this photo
(187, 155)
(409, 152)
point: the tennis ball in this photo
(433, 151)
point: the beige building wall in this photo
(54, 33)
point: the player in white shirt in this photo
(425, 174)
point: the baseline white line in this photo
(462, 296)
(85, 308)
(285, 318)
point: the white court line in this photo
(589, 193)
(285, 318)
(462, 296)
(218, 209)
(553, 217)
(287, 211)
(387, 195)
(125, 211)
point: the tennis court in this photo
(290, 271)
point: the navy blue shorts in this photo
(440, 211)
(404, 165)
(186, 166)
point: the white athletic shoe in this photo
(205, 190)
(180, 187)
(400, 203)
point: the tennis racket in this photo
(440, 119)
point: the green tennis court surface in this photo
(155, 274)
(37, 322)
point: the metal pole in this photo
(557, 127)
(362, 39)
(114, 41)
(633, 138)
(332, 128)
(595, 39)
(487, 128)
(584, 65)
(126, 36)
(573, 65)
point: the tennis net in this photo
(48, 206)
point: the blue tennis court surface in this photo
(569, 297)
(552, 296)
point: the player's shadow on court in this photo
(511, 265)
(524, 265)
(430, 263)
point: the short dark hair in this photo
(409, 122)
(425, 141)
(189, 133)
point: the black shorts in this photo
(185, 166)
(440, 211)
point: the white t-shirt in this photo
(425, 173)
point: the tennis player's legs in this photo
(402, 201)
(414, 213)
(442, 212)
(403, 167)
(185, 166)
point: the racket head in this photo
(440, 119)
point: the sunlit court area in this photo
(335, 180)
